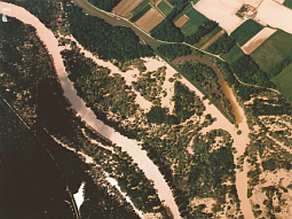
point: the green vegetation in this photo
(288, 3)
(118, 43)
(167, 31)
(273, 52)
(106, 5)
(156, 115)
(222, 45)
(149, 84)
(136, 16)
(172, 51)
(248, 71)
(45, 11)
(140, 7)
(165, 7)
(208, 36)
(26, 167)
(192, 25)
(233, 55)
(283, 82)
(246, 31)
(186, 103)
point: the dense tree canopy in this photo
(109, 42)
(106, 5)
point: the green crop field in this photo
(185, 11)
(273, 51)
(192, 25)
(140, 7)
(140, 13)
(234, 54)
(288, 3)
(283, 82)
(164, 7)
(208, 36)
(246, 31)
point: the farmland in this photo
(257, 40)
(165, 7)
(273, 51)
(138, 15)
(181, 21)
(234, 54)
(288, 3)
(195, 19)
(149, 20)
(126, 6)
(246, 31)
(283, 82)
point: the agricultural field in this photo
(149, 20)
(257, 40)
(273, 51)
(194, 21)
(140, 10)
(125, 7)
(283, 82)
(164, 7)
(288, 3)
(213, 39)
(246, 31)
(234, 54)
(181, 21)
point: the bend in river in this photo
(130, 146)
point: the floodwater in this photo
(224, 86)
(130, 146)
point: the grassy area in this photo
(288, 3)
(165, 7)
(283, 82)
(246, 31)
(140, 7)
(234, 54)
(273, 51)
(209, 36)
(185, 11)
(136, 17)
(191, 26)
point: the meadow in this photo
(273, 51)
(283, 82)
(165, 7)
(246, 31)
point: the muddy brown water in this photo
(224, 86)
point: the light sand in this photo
(126, 6)
(257, 40)
(276, 15)
(115, 184)
(79, 198)
(152, 65)
(149, 20)
(130, 146)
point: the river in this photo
(224, 86)
(130, 146)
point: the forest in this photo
(106, 41)
(106, 5)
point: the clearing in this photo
(149, 20)
(273, 51)
(195, 19)
(257, 40)
(164, 7)
(219, 34)
(181, 21)
(246, 31)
